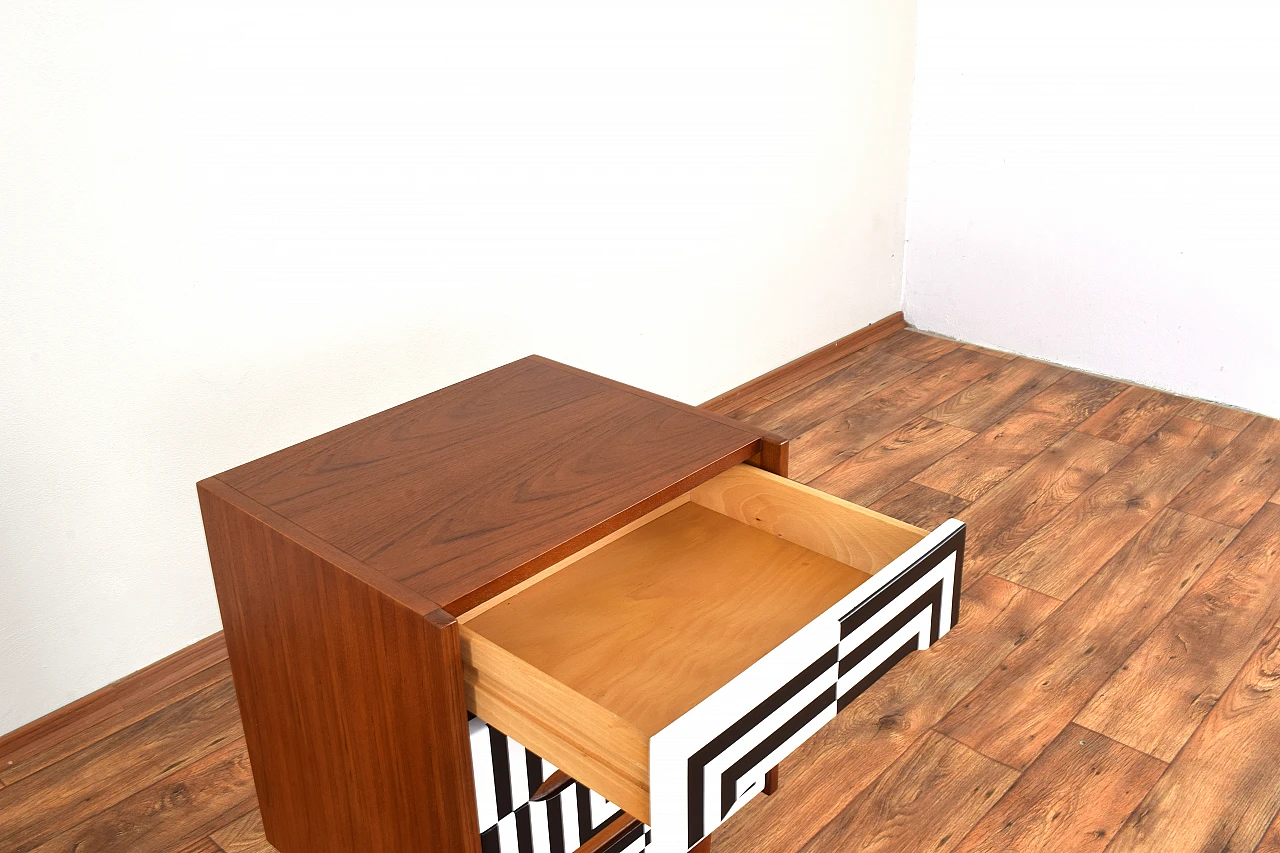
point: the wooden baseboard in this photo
(805, 365)
(105, 703)
(111, 700)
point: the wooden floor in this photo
(1113, 683)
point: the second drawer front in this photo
(711, 761)
(507, 774)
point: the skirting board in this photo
(110, 700)
(118, 698)
(805, 365)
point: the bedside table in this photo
(542, 610)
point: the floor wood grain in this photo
(1100, 521)
(995, 453)
(1112, 683)
(1167, 686)
(911, 344)
(242, 836)
(1270, 842)
(1223, 789)
(920, 505)
(989, 399)
(99, 776)
(810, 405)
(1028, 700)
(1074, 798)
(874, 417)
(1005, 517)
(926, 800)
(1236, 484)
(872, 473)
(164, 815)
(1232, 419)
(1132, 416)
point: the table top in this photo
(467, 491)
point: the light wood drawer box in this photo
(671, 665)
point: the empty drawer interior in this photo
(587, 661)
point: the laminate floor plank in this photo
(1163, 691)
(1007, 356)
(1005, 517)
(922, 506)
(163, 816)
(1075, 397)
(115, 706)
(858, 426)
(846, 756)
(914, 344)
(750, 408)
(243, 836)
(1074, 797)
(926, 800)
(1098, 523)
(993, 397)
(1133, 415)
(1035, 692)
(872, 473)
(1008, 444)
(1270, 842)
(1223, 789)
(130, 712)
(828, 395)
(983, 463)
(1223, 416)
(1241, 480)
(71, 790)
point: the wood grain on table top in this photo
(469, 490)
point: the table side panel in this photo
(351, 697)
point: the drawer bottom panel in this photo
(506, 775)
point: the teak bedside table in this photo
(543, 611)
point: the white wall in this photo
(1098, 184)
(226, 229)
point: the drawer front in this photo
(506, 775)
(711, 761)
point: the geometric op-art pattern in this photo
(507, 774)
(711, 761)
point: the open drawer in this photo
(670, 665)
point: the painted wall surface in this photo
(228, 228)
(1098, 184)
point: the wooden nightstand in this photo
(432, 609)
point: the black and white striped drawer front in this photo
(506, 776)
(711, 761)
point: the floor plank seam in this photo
(955, 739)
(1171, 508)
(1024, 587)
(1078, 724)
